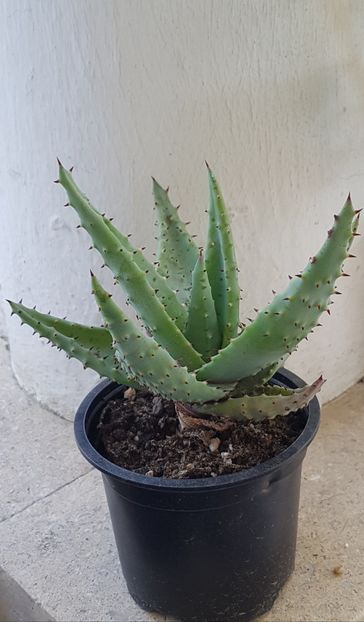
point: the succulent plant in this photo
(189, 345)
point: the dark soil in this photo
(141, 433)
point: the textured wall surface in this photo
(270, 93)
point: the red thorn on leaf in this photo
(349, 197)
(274, 292)
(356, 235)
(328, 311)
(336, 217)
(351, 256)
(345, 274)
(313, 259)
(67, 204)
(357, 211)
(71, 169)
(290, 277)
(59, 163)
(329, 233)
(336, 292)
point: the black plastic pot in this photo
(205, 549)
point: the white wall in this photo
(270, 93)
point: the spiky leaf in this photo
(151, 365)
(276, 401)
(253, 383)
(91, 345)
(141, 294)
(177, 252)
(202, 329)
(158, 282)
(291, 315)
(221, 264)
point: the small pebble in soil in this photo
(214, 444)
(130, 394)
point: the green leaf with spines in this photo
(269, 404)
(291, 315)
(91, 345)
(221, 264)
(177, 251)
(202, 329)
(168, 298)
(254, 383)
(150, 364)
(121, 262)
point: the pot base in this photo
(225, 616)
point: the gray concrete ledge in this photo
(17, 605)
(57, 547)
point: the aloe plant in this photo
(189, 345)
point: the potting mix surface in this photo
(141, 432)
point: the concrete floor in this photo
(56, 543)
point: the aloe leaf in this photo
(164, 293)
(177, 252)
(202, 329)
(253, 383)
(291, 316)
(150, 364)
(221, 264)
(275, 401)
(91, 345)
(142, 295)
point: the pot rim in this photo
(104, 390)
